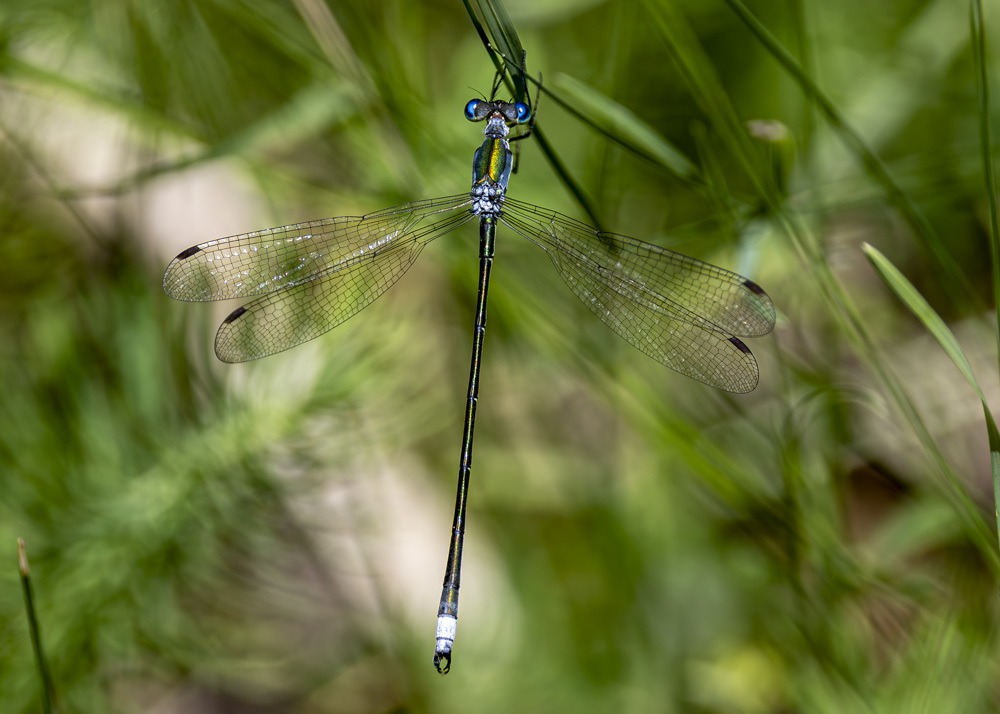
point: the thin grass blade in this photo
(483, 37)
(615, 121)
(503, 37)
(956, 283)
(36, 638)
(978, 38)
(914, 301)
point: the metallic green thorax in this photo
(492, 162)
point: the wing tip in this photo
(188, 252)
(752, 377)
(174, 277)
(231, 346)
(765, 309)
(234, 315)
(740, 345)
(223, 339)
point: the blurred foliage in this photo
(270, 537)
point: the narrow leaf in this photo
(611, 116)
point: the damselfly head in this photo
(511, 112)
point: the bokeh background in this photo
(271, 537)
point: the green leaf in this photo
(920, 308)
(610, 116)
(913, 300)
(502, 37)
(978, 38)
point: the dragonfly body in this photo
(306, 278)
(491, 169)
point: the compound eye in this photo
(523, 112)
(470, 109)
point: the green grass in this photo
(206, 537)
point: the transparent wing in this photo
(310, 276)
(682, 312)
(279, 258)
(281, 320)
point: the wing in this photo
(281, 320)
(682, 312)
(310, 276)
(279, 258)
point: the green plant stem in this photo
(978, 36)
(33, 629)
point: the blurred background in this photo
(271, 537)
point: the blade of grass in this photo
(715, 178)
(502, 37)
(914, 301)
(986, 144)
(36, 637)
(978, 36)
(955, 282)
(713, 100)
(805, 62)
(635, 148)
(483, 37)
(505, 39)
(608, 116)
(921, 309)
(571, 185)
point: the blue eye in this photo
(470, 109)
(523, 112)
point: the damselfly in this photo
(307, 278)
